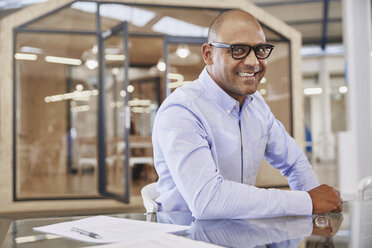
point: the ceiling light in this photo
(176, 76)
(183, 51)
(62, 60)
(81, 108)
(136, 16)
(343, 89)
(161, 65)
(313, 91)
(95, 49)
(177, 84)
(115, 71)
(308, 51)
(91, 64)
(173, 26)
(76, 95)
(25, 56)
(263, 92)
(139, 102)
(28, 49)
(115, 57)
(79, 87)
(130, 88)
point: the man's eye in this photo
(238, 50)
(262, 50)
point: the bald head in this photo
(228, 18)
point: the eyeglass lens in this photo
(241, 51)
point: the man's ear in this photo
(207, 52)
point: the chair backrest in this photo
(149, 194)
(363, 185)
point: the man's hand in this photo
(325, 199)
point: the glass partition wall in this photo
(89, 78)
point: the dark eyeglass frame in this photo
(250, 48)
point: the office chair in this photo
(363, 185)
(149, 194)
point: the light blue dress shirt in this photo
(207, 152)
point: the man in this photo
(210, 137)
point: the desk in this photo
(355, 230)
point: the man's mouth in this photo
(245, 74)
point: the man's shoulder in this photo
(186, 96)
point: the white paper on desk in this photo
(164, 240)
(111, 229)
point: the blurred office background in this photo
(64, 127)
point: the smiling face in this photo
(241, 77)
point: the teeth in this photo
(245, 74)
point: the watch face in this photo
(321, 222)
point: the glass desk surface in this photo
(351, 228)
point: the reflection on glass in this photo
(275, 87)
(274, 232)
(115, 110)
(185, 62)
(56, 147)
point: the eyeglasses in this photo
(240, 51)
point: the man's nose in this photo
(251, 59)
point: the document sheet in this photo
(105, 229)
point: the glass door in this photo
(113, 133)
(71, 107)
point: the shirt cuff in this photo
(298, 203)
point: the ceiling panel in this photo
(293, 12)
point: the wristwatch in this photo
(321, 221)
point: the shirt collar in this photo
(219, 95)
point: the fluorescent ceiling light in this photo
(28, 49)
(139, 102)
(308, 51)
(62, 60)
(115, 57)
(76, 95)
(25, 56)
(15, 4)
(313, 91)
(173, 26)
(81, 108)
(136, 16)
